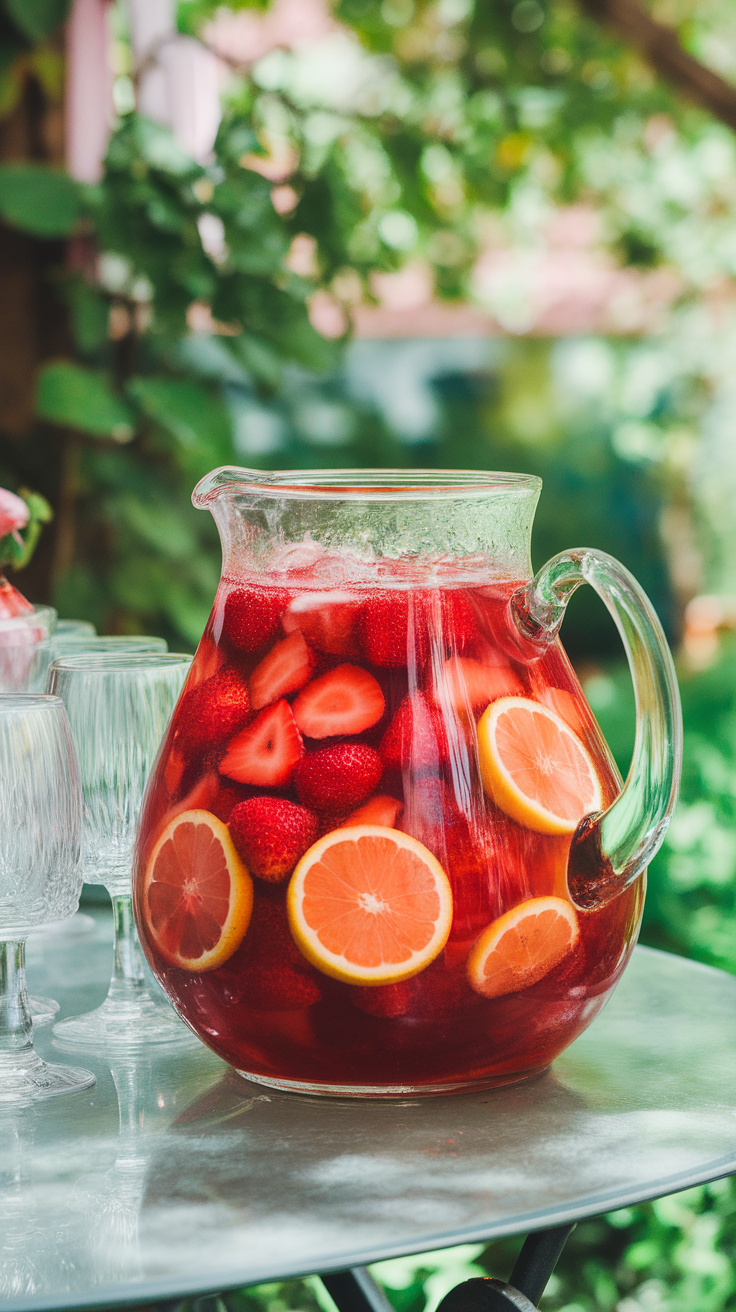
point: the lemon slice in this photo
(522, 946)
(535, 768)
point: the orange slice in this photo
(535, 768)
(369, 905)
(522, 946)
(197, 894)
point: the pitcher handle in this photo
(609, 850)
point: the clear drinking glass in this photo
(40, 875)
(64, 627)
(72, 644)
(119, 706)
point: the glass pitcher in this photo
(385, 848)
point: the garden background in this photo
(409, 233)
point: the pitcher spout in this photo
(229, 480)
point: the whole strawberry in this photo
(387, 1000)
(268, 973)
(416, 737)
(251, 617)
(337, 778)
(400, 628)
(213, 711)
(392, 629)
(271, 835)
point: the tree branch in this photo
(660, 46)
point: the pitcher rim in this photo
(363, 484)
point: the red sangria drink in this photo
(354, 856)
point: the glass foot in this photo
(122, 1026)
(42, 1010)
(24, 1078)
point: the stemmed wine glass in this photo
(72, 636)
(40, 875)
(119, 707)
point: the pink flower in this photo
(14, 513)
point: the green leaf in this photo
(42, 201)
(37, 19)
(192, 412)
(82, 398)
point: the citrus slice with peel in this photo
(522, 946)
(369, 905)
(197, 893)
(535, 768)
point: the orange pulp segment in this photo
(535, 768)
(522, 946)
(197, 893)
(369, 905)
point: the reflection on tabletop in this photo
(64, 1230)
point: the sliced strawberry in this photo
(210, 793)
(328, 621)
(251, 616)
(416, 737)
(286, 668)
(378, 810)
(337, 778)
(212, 712)
(468, 685)
(271, 834)
(345, 700)
(266, 752)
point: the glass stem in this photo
(16, 1028)
(127, 983)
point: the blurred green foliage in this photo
(443, 127)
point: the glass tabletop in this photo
(175, 1176)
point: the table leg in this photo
(534, 1266)
(355, 1290)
